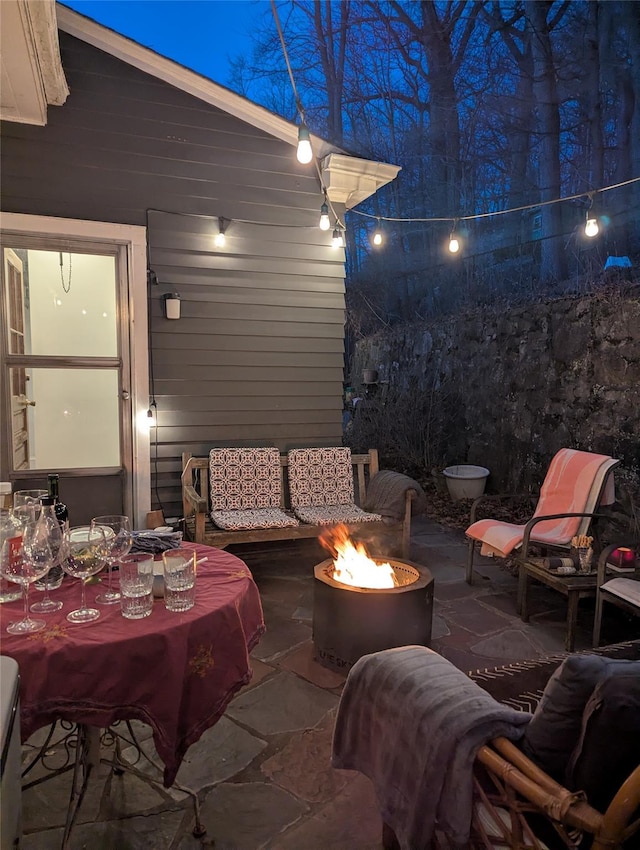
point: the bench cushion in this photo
(244, 479)
(253, 518)
(320, 477)
(330, 514)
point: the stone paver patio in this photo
(263, 773)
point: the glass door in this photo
(65, 365)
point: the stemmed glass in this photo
(117, 532)
(24, 559)
(86, 555)
(27, 503)
(53, 578)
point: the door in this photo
(20, 402)
(67, 372)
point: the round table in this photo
(176, 672)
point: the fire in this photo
(352, 564)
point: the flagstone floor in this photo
(263, 772)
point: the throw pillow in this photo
(608, 749)
(552, 735)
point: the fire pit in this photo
(350, 621)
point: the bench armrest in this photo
(194, 499)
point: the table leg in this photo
(572, 620)
(87, 757)
(120, 765)
(523, 594)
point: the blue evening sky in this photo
(201, 34)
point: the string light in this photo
(151, 413)
(304, 152)
(454, 242)
(591, 228)
(325, 223)
(220, 239)
(377, 236)
(338, 237)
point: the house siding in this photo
(257, 356)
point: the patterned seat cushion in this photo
(252, 518)
(244, 479)
(320, 477)
(330, 514)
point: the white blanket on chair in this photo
(413, 723)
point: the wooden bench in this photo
(199, 528)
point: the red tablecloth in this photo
(175, 671)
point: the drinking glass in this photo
(23, 559)
(136, 585)
(117, 532)
(9, 527)
(585, 556)
(87, 552)
(53, 579)
(179, 579)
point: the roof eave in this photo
(350, 180)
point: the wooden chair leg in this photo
(597, 620)
(469, 572)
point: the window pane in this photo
(69, 303)
(74, 423)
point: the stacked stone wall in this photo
(515, 386)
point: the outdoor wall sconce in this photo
(171, 305)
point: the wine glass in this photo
(117, 532)
(24, 558)
(27, 503)
(86, 555)
(53, 579)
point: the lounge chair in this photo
(575, 485)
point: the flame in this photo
(352, 564)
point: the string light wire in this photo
(300, 108)
(474, 216)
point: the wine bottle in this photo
(60, 509)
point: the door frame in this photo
(133, 240)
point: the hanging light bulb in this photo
(338, 238)
(377, 235)
(304, 152)
(151, 414)
(591, 228)
(325, 224)
(454, 242)
(220, 240)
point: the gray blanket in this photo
(386, 495)
(412, 722)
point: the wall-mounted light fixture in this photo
(171, 305)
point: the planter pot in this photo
(370, 376)
(465, 481)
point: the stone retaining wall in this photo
(507, 389)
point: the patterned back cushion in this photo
(242, 479)
(320, 477)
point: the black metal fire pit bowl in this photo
(349, 622)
